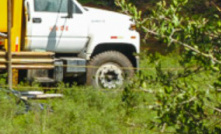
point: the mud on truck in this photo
(88, 43)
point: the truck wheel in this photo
(109, 70)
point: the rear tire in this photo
(109, 70)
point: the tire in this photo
(109, 70)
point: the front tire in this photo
(109, 70)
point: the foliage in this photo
(181, 103)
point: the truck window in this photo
(54, 6)
(51, 5)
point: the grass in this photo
(84, 110)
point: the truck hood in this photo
(105, 13)
(103, 16)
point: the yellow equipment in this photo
(25, 60)
(17, 19)
(3, 15)
(21, 60)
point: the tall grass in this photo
(84, 110)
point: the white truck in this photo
(95, 44)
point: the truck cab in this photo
(51, 28)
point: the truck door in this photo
(49, 28)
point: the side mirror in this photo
(70, 9)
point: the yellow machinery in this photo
(20, 60)
(17, 18)
(3, 15)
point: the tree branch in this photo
(185, 45)
(214, 4)
(188, 101)
(214, 108)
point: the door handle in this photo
(36, 20)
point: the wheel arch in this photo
(127, 49)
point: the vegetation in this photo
(176, 93)
(182, 104)
(85, 110)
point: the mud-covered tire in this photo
(109, 70)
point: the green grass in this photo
(84, 110)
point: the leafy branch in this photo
(172, 40)
(179, 102)
(166, 22)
